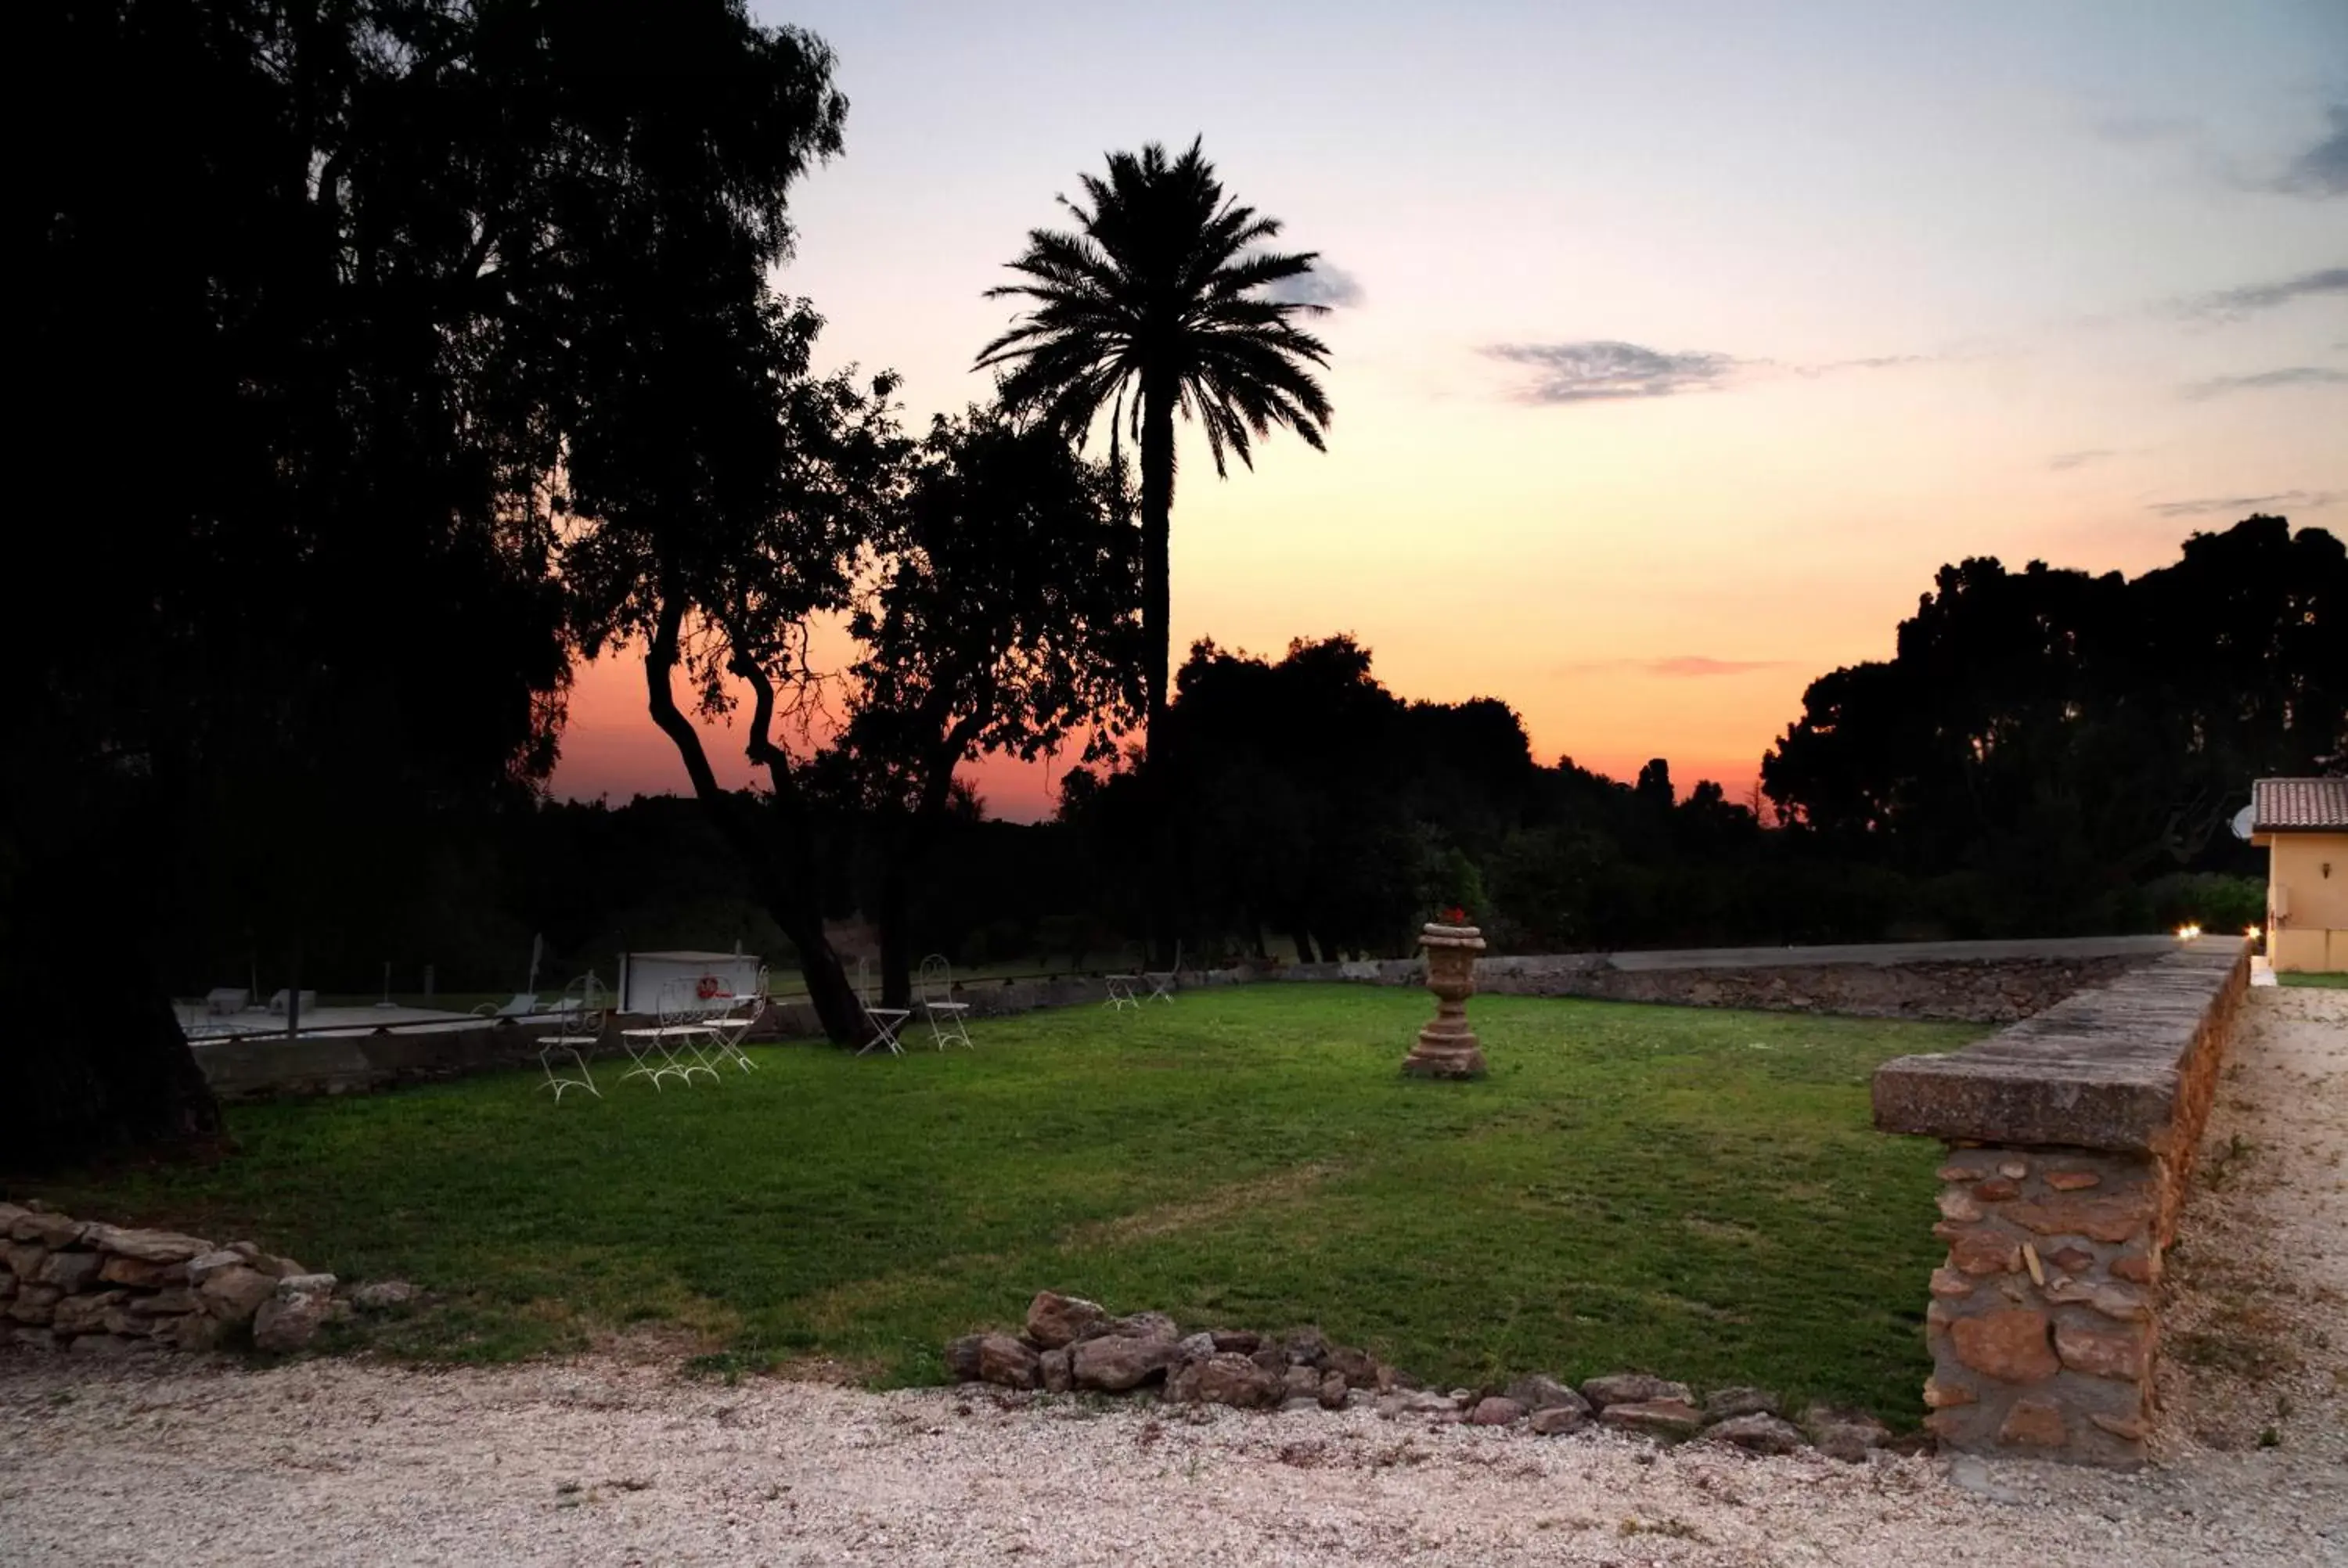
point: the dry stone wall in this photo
(1976, 982)
(1071, 1345)
(264, 1067)
(95, 1289)
(1989, 982)
(2071, 1139)
(261, 1067)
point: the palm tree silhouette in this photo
(1158, 301)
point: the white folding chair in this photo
(885, 1021)
(581, 1013)
(685, 1026)
(730, 1028)
(654, 1047)
(947, 1017)
(1161, 981)
(1120, 990)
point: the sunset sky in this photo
(1676, 345)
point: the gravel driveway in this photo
(606, 1461)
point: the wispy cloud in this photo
(2322, 169)
(2239, 506)
(2289, 376)
(2061, 462)
(1676, 666)
(1600, 369)
(1324, 285)
(2136, 128)
(1877, 362)
(2233, 304)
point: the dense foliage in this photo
(2058, 738)
(1314, 813)
(323, 301)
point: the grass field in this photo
(2327, 981)
(1693, 1192)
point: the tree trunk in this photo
(896, 939)
(830, 992)
(111, 1079)
(113, 1073)
(904, 847)
(1158, 394)
(780, 864)
(1156, 525)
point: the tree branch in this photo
(660, 666)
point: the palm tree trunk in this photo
(1157, 636)
(1156, 527)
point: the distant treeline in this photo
(2047, 752)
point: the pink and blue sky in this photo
(1676, 345)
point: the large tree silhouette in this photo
(323, 301)
(1159, 303)
(1002, 621)
(2062, 734)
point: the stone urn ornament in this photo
(1446, 1047)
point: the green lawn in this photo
(1697, 1192)
(2326, 980)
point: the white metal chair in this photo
(948, 1017)
(885, 1021)
(655, 1048)
(1162, 981)
(581, 1013)
(729, 1029)
(1121, 989)
(687, 1025)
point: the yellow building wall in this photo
(2313, 934)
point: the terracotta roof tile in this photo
(2285, 804)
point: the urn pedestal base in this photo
(1446, 1048)
(1459, 1058)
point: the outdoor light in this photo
(2186, 933)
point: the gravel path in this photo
(605, 1460)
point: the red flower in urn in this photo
(1455, 916)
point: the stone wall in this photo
(1978, 983)
(1072, 1345)
(98, 1290)
(1984, 982)
(260, 1067)
(2071, 1139)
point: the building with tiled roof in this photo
(2304, 824)
(2300, 805)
